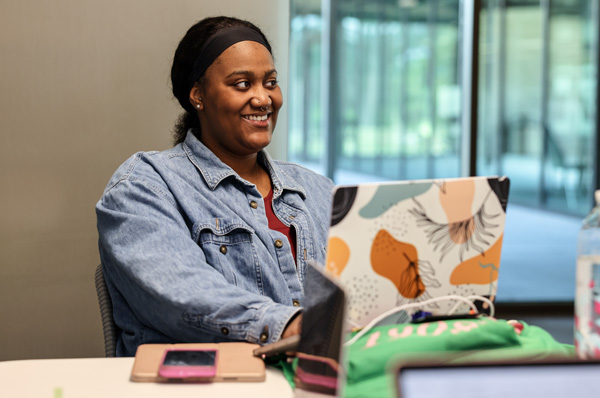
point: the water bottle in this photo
(587, 289)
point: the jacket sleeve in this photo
(150, 257)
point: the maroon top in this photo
(276, 224)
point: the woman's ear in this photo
(196, 97)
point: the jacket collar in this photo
(213, 170)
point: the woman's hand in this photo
(293, 327)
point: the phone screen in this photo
(190, 358)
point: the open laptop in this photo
(535, 379)
(402, 242)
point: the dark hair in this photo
(183, 67)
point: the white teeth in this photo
(257, 118)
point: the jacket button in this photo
(264, 336)
(278, 244)
(253, 204)
(225, 331)
(296, 303)
(223, 249)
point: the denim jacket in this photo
(187, 252)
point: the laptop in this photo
(403, 242)
(532, 379)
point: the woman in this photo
(208, 241)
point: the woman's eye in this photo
(243, 84)
(272, 83)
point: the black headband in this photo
(218, 43)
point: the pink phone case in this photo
(327, 380)
(188, 371)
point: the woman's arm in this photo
(150, 257)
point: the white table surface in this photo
(109, 377)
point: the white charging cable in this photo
(464, 300)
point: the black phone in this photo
(433, 318)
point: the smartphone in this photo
(185, 363)
(435, 318)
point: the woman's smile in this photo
(259, 120)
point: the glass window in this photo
(536, 124)
(537, 95)
(397, 92)
(305, 140)
(396, 105)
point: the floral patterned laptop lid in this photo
(395, 243)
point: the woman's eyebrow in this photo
(250, 73)
(241, 72)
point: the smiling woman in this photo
(209, 240)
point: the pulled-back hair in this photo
(183, 67)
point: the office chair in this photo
(106, 312)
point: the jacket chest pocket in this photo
(229, 249)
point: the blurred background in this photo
(374, 90)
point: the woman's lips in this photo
(258, 120)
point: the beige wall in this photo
(83, 85)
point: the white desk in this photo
(109, 377)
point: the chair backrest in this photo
(106, 312)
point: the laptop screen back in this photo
(543, 380)
(402, 242)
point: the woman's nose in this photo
(261, 99)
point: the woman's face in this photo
(240, 81)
